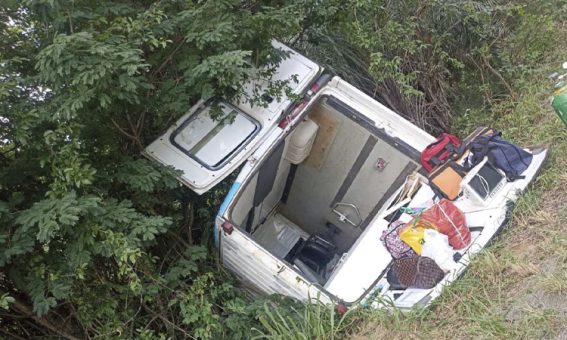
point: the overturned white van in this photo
(321, 178)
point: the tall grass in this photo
(313, 320)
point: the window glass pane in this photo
(214, 142)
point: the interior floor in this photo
(279, 235)
(347, 165)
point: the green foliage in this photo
(412, 55)
(90, 232)
(292, 320)
(5, 301)
(145, 176)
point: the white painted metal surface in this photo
(196, 172)
(393, 124)
(296, 66)
(257, 267)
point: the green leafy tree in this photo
(94, 239)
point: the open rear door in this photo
(208, 150)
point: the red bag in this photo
(439, 151)
(449, 220)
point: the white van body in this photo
(334, 163)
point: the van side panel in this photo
(227, 199)
(244, 204)
(258, 268)
(385, 119)
(247, 213)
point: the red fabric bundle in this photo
(449, 220)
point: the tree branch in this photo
(169, 323)
(167, 60)
(188, 219)
(125, 133)
(11, 335)
(26, 310)
(499, 76)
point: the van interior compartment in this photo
(311, 213)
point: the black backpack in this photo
(508, 157)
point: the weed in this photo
(555, 283)
(314, 320)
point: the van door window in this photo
(214, 142)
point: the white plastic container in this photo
(302, 141)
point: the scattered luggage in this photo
(412, 234)
(438, 152)
(436, 247)
(394, 244)
(424, 249)
(506, 156)
(429, 240)
(415, 272)
(446, 218)
(446, 180)
(446, 175)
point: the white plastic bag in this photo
(436, 246)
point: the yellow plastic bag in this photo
(413, 237)
(413, 233)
